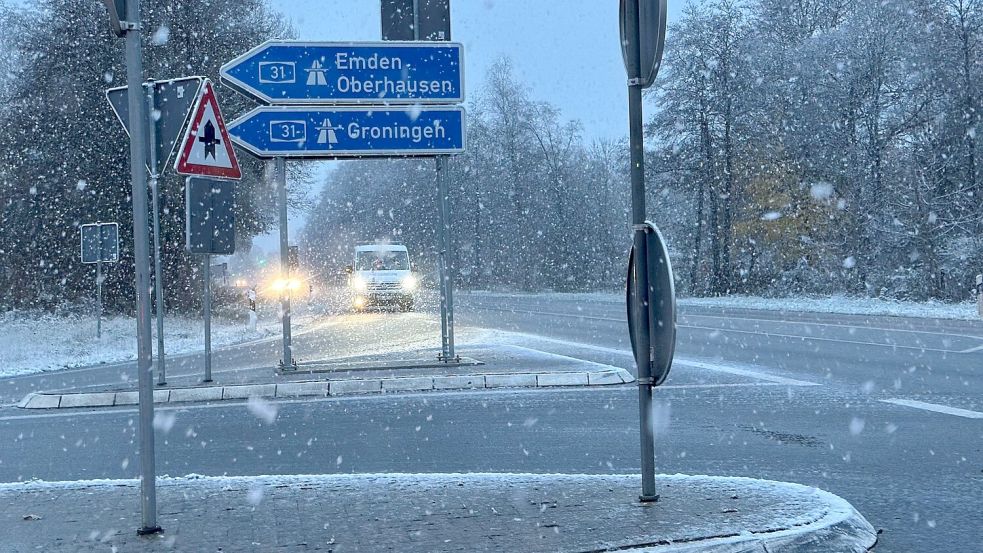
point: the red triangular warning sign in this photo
(206, 149)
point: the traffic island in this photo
(435, 512)
(501, 366)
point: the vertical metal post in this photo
(642, 324)
(416, 19)
(444, 267)
(155, 202)
(141, 261)
(99, 290)
(208, 318)
(281, 184)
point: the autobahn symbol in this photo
(329, 132)
(326, 133)
(315, 75)
(206, 149)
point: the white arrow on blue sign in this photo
(338, 132)
(291, 72)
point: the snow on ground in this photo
(845, 305)
(32, 342)
(832, 304)
(35, 341)
(758, 511)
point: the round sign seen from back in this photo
(661, 304)
(651, 37)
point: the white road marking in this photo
(817, 339)
(745, 372)
(601, 366)
(729, 369)
(722, 385)
(972, 350)
(935, 408)
(780, 321)
(839, 325)
(734, 330)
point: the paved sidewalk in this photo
(485, 512)
(487, 366)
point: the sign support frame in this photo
(99, 290)
(445, 270)
(208, 317)
(155, 202)
(280, 164)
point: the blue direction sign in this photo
(328, 133)
(290, 72)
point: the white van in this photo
(381, 274)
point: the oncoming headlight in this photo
(410, 283)
(283, 284)
(359, 284)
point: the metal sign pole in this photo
(208, 318)
(444, 265)
(98, 281)
(141, 261)
(646, 430)
(281, 183)
(447, 354)
(155, 201)
(99, 291)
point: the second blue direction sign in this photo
(290, 72)
(327, 133)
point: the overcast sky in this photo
(566, 51)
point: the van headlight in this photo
(410, 283)
(359, 284)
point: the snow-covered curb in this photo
(697, 513)
(324, 388)
(832, 304)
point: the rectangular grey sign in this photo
(210, 226)
(100, 242)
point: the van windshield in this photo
(384, 260)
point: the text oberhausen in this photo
(383, 86)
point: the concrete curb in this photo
(322, 388)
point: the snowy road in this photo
(881, 411)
